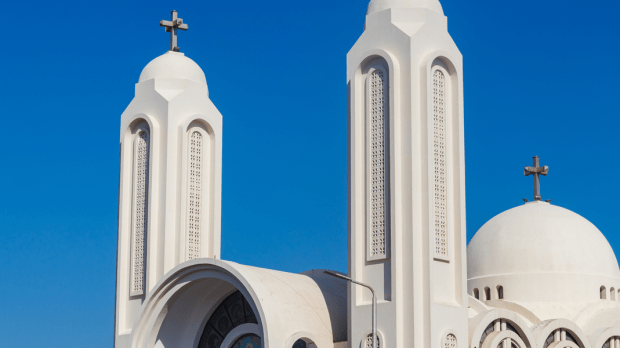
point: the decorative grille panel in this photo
(378, 162)
(439, 155)
(141, 164)
(194, 195)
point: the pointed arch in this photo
(197, 160)
(200, 189)
(140, 195)
(377, 155)
(440, 112)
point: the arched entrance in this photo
(199, 304)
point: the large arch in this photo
(599, 337)
(479, 324)
(177, 309)
(543, 330)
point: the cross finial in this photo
(171, 27)
(536, 170)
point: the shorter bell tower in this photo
(170, 177)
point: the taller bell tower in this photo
(406, 178)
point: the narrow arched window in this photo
(487, 294)
(612, 294)
(476, 294)
(603, 293)
(500, 292)
(618, 297)
(195, 164)
(440, 161)
(378, 129)
(140, 210)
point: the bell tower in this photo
(170, 177)
(406, 178)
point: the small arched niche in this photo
(500, 292)
(476, 294)
(603, 292)
(487, 293)
(612, 294)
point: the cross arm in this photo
(178, 23)
(164, 23)
(536, 170)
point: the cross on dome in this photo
(536, 170)
(171, 26)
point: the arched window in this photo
(195, 171)
(476, 294)
(140, 209)
(618, 297)
(233, 312)
(612, 294)
(500, 292)
(487, 294)
(603, 293)
(377, 116)
(440, 159)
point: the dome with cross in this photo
(559, 251)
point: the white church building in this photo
(535, 276)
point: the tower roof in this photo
(380, 5)
(173, 65)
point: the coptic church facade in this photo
(535, 276)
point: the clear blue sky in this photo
(540, 79)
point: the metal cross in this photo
(536, 170)
(171, 27)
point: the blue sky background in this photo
(540, 79)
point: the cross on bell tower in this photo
(536, 170)
(171, 26)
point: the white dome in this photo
(538, 237)
(380, 5)
(173, 65)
